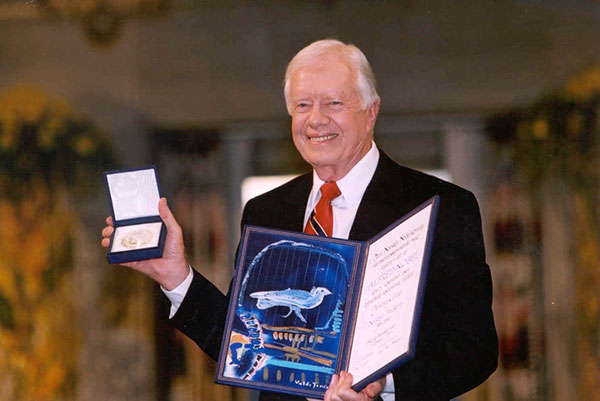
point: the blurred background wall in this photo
(500, 97)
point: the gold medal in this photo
(136, 239)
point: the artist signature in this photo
(312, 385)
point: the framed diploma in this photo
(304, 307)
(139, 232)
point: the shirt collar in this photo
(353, 184)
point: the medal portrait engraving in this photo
(138, 236)
(137, 239)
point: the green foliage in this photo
(6, 317)
(43, 142)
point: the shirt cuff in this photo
(388, 390)
(177, 294)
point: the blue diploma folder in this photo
(302, 306)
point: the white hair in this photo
(365, 79)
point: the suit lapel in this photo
(295, 204)
(379, 205)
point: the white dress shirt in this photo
(352, 186)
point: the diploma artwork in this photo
(305, 307)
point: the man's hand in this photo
(340, 389)
(170, 270)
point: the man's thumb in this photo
(165, 213)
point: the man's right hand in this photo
(172, 268)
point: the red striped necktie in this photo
(320, 221)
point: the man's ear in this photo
(372, 112)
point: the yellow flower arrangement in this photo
(27, 104)
(585, 85)
(540, 128)
(46, 152)
(587, 297)
(43, 138)
(557, 134)
(39, 334)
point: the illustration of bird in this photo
(296, 300)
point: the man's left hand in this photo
(340, 389)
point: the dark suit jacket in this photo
(457, 348)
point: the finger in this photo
(106, 242)
(342, 389)
(334, 380)
(346, 379)
(331, 388)
(373, 389)
(109, 221)
(107, 231)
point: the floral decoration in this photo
(44, 143)
(47, 153)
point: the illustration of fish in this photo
(296, 300)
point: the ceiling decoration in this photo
(101, 20)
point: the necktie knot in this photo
(330, 191)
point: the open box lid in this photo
(133, 193)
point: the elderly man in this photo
(357, 191)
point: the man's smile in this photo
(322, 138)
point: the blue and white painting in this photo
(289, 310)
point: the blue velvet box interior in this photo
(139, 232)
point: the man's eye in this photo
(335, 103)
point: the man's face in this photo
(329, 127)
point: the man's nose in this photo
(318, 116)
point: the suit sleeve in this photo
(203, 311)
(201, 315)
(457, 347)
